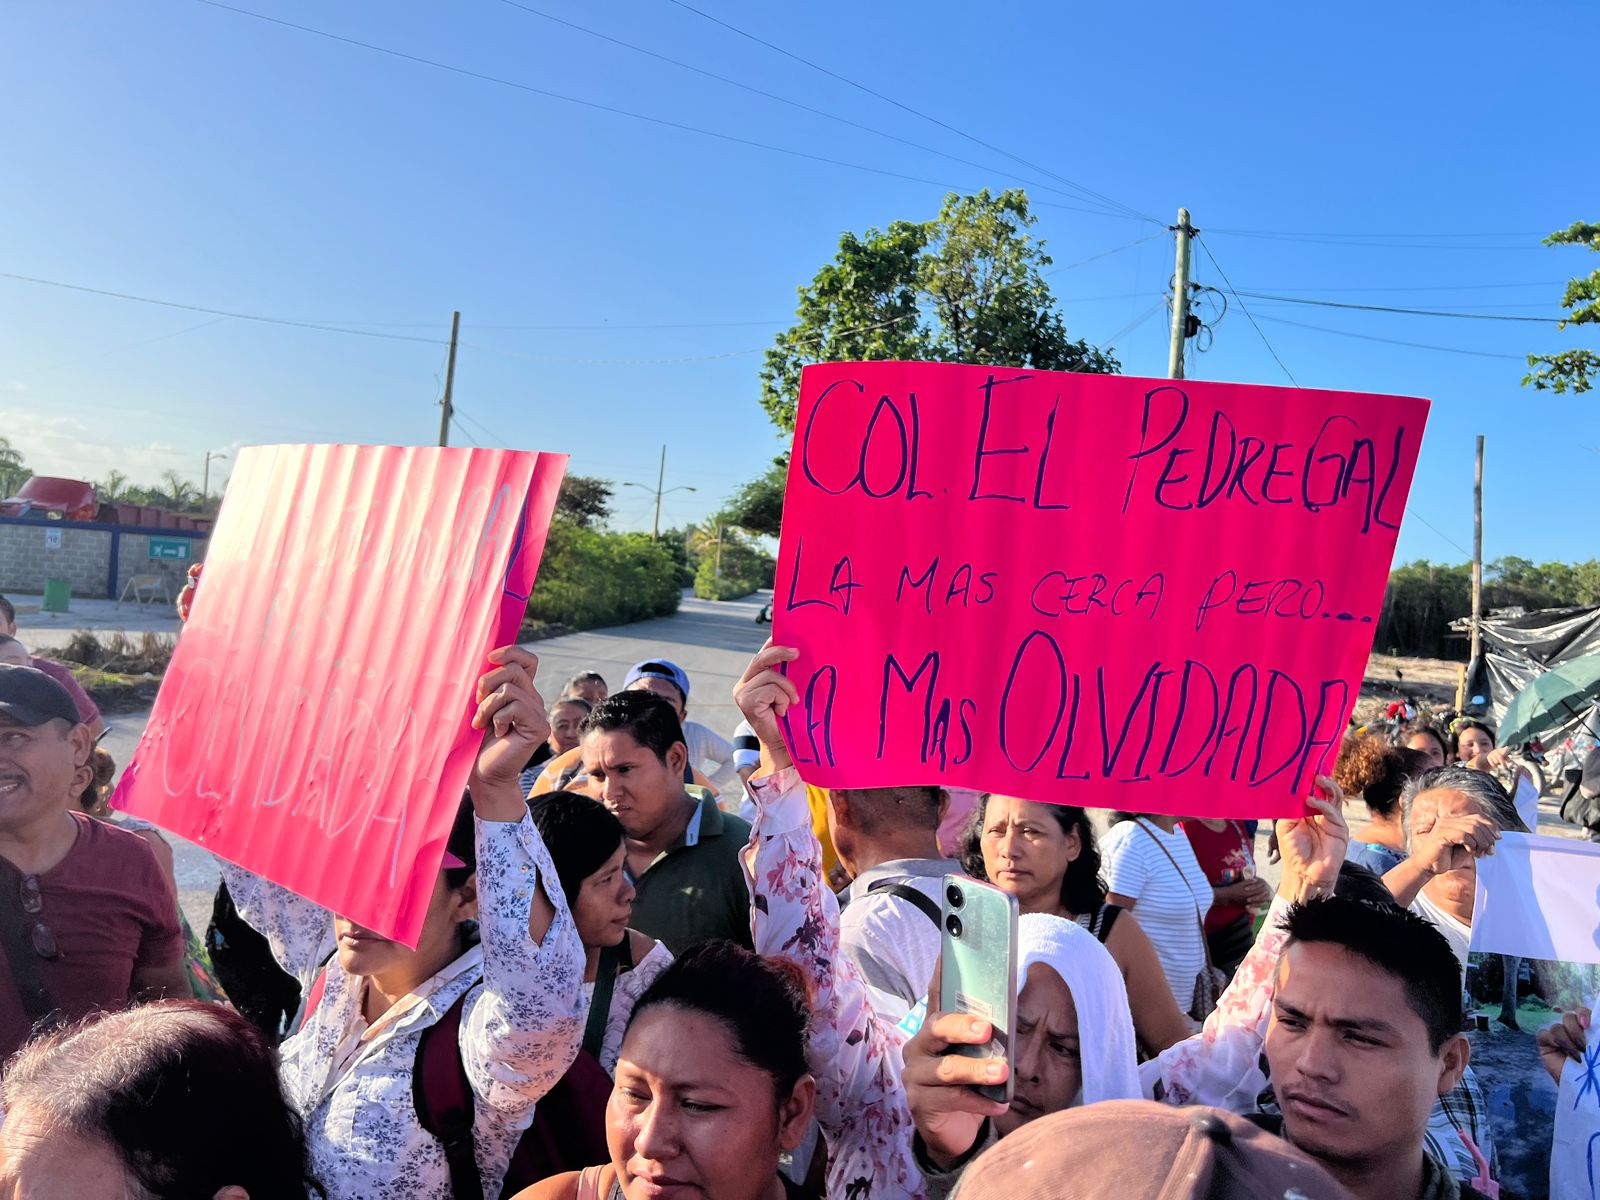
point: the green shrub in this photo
(589, 579)
(741, 570)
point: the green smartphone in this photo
(978, 975)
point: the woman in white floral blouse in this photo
(349, 1068)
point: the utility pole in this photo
(205, 484)
(449, 381)
(660, 490)
(661, 478)
(1477, 557)
(1180, 295)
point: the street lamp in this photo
(205, 486)
(661, 477)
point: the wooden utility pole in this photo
(449, 381)
(1180, 295)
(1477, 556)
(661, 479)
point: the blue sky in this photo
(617, 278)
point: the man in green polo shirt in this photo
(682, 850)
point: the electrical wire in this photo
(1410, 312)
(861, 87)
(219, 312)
(1448, 287)
(1335, 241)
(582, 103)
(1104, 253)
(1111, 341)
(803, 107)
(1298, 233)
(1372, 337)
(1411, 512)
(1228, 283)
(462, 430)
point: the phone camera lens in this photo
(953, 924)
(955, 895)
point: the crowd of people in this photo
(624, 989)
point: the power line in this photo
(1410, 312)
(803, 107)
(1448, 287)
(861, 87)
(1105, 253)
(462, 430)
(591, 104)
(1411, 512)
(1336, 241)
(1372, 337)
(1110, 342)
(219, 312)
(1228, 283)
(1428, 234)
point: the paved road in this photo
(711, 641)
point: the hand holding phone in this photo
(978, 969)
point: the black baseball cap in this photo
(30, 697)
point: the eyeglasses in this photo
(44, 941)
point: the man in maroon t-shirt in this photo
(88, 920)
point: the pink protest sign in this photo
(314, 723)
(1124, 593)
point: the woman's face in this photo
(1026, 852)
(1426, 743)
(690, 1117)
(1471, 743)
(366, 953)
(1049, 1070)
(605, 903)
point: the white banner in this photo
(1539, 897)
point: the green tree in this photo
(967, 286)
(113, 487)
(13, 470)
(757, 507)
(1572, 370)
(178, 493)
(585, 501)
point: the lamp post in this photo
(661, 478)
(205, 486)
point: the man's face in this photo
(667, 691)
(641, 789)
(1454, 888)
(42, 769)
(1350, 1060)
(565, 721)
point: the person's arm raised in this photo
(524, 1025)
(1449, 843)
(853, 1053)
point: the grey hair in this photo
(1482, 788)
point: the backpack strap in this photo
(442, 1097)
(1104, 918)
(594, 1033)
(16, 942)
(904, 891)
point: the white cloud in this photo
(66, 446)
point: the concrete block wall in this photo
(133, 558)
(83, 559)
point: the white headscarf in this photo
(1105, 1028)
